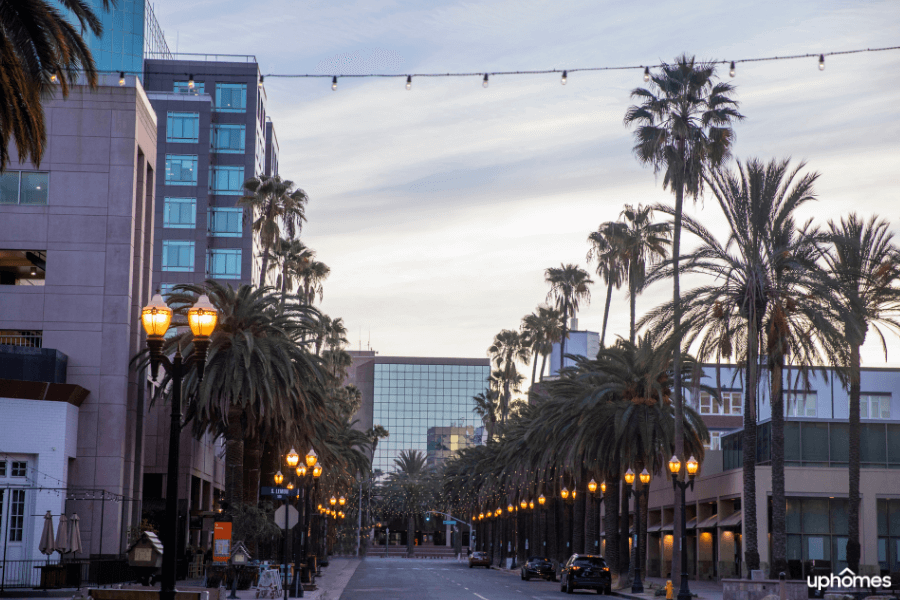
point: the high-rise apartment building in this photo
(213, 136)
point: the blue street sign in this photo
(278, 493)
(449, 522)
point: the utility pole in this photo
(359, 521)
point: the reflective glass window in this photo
(224, 263)
(182, 127)
(226, 181)
(180, 213)
(231, 97)
(181, 169)
(225, 222)
(178, 255)
(228, 138)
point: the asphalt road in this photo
(411, 579)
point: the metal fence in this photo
(53, 574)
(30, 339)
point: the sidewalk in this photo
(703, 590)
(329, 586)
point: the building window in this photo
(231, 97)
(2, 468)
(715, 441)
(24, 187)
(183, 127)
(889, 534)
(225, 222)
(226, 181)
(180, 213)
(875, 406)
(224, 263)
(800, 404)
(729, 404)
(178, 255)
(19, 468)
(16, 515)
(228, 139)
(181, 169)
(817, 530)
(182, 87)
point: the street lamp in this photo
(592, 488)
(342, 501)
(692, 467)
(156, 318)
(292, 458)
(311, 458)
(332, 501)
(637, 586)
(523, 504)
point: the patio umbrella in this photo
(75, 535)
(62, 536)
(47, 545)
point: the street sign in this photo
(449, 522)
(279, 493)
(293, 517)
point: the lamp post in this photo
(592, 488)
(674, 468)
(637, 586)
(156, 318)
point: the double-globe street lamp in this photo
(306, 474)
(156, 318)
(592, 488)
(692, 468)
(637, 586)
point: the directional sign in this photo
(278, 493)
(449, 522)
(293, 517)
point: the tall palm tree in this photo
(486, 407)
(509, 347)
(643, 243)
(568, 288)
(863, 262)
(410, 482)
(541, 329)
(767, 286)
(312, 274)
(40, 48)
(683, 127)
(272, 203)
(289, 257)
(606, 248)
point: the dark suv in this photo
(585, 571)
(538, 566)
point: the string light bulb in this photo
(409, 82)
(564, 78)
(53, 78)
(334, 83)
(191, 81)
(122, 77)
(731, 71)
(821, 62)
(646, 74)
(485, 82)
(261, 79)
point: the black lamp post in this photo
(156, 318)
(592, 488)
(637, 586)
(675, 467)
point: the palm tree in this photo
(863, 263)
(509, 347)
(541, 329)
(643, 243)
(272, 203)
(312, 273)
(376, 433)
(40, 47)
(568, 287)
(290, 256)
(486, 407)
(410, 484)
(606, 247)
(683, 127)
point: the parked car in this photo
(538, 566)
(585, 571)
(479, 559)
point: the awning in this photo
(732, 520)
(668, 527)
(654, 528)
(692, 524)
(710, 522)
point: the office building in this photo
(579, 343)
(75, 248)
(816, 444)
(416, 399)
(213, 136)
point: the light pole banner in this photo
(221, 542)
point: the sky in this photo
(438, 209)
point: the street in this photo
(405, 579)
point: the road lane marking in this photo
(480, 596)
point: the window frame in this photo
(170, 200)
(213, 253)
(199, 87)
(18, 468)
(20, 178)
(182, 117)
(211, 214)
(865, 400)
(170, 158)
(214, 172)
(214, 138)
(791, 405)
(730, 404)
(178, 268)
(239, 87)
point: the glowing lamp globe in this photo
(278, 478)
(510, 508)
(564, 493)
(293, 459)
(602, 487)
(541, 500)
(301, 471)
(480, 515)
(674, 465)
(342, 501)
(332, 501)
(290, 486)
(531, 504)
(311, 458)
(156, 316)
(523, 504)
(645, 477)
(592, 486)
(202, 317)
(692, 466)
(317, 471)
(574, 493)
(629, 477)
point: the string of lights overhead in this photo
(564, 73)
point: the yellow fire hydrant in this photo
(670, 590)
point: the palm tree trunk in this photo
(642, 534)
(283, 285)
(590, 525)
(234, 459)
(748, 505)
(264, 266)
(578, 523)
(853, 548)
(411, 535)
(609, 287)
(779, 536)
(543, 365)
(562, 342)
(506, 398)
(534, 369)
(567, 528)
(252, 464)
(523, 532)
(632, 293)
(611, 524)
(624, 554)
(676, 361)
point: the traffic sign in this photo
(279, 493)
(293, 517)
(449, 522)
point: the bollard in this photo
(670, 590)
(782, 587)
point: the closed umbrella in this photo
(62, 536)
(47, 545)
(75, 535)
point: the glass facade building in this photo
(411, 399)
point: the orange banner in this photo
(222, 542)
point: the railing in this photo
(30, 339)
(247, 58)
(53, 574)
